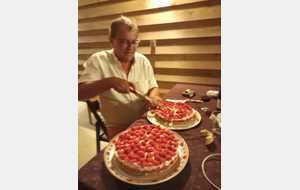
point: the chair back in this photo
(94, 106)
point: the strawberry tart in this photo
(174, 113)
(146, 150)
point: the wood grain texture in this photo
(122, 7)
(167, 33)
(189, 79)
(191, 14)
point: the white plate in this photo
(114, 168)
(190, 124)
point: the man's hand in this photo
(155, 101)
(121, 85)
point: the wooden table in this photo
(95, 175)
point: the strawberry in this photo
(168, 157)
(141, 153)
(122, 156)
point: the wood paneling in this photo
(189, 79)
(187, 35)
(127, 6)
(192, 29)
(191, 14)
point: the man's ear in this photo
(111, 40)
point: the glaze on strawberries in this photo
(147, 149)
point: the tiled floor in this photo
(86, 136)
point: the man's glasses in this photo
(126, 42)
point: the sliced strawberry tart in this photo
(174, 113)
(146, 150)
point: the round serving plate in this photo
(116, 170)
(190, 124)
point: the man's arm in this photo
(90, 89)
(153, 92)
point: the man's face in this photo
(124, 51)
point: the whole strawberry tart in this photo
(146, 150)
(174, 113)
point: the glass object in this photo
(127, 42)
(215, 117)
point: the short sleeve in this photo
(92, 71)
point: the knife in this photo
(149, 100)
(183, 101)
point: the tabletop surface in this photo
(95, 175)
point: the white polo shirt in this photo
(120, 109)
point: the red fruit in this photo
(149, 164)
(142, 160)
(149, 155)
(162, 154)
(135, 141)
(144, 143)
(158, 141)
(145, 127)
(131, 155)
(142, 148)
(174, 149)
(122, 136)
(150, 159)
(135, 150)
(159, 149)
(125, 142)
(128, 137)
(166, 151)
(171, 153)
(130, 141)
(119, 147)
(176, 144)
(132, 161)
(157, 127)
(133, 128)
(157, 157)
(148, 132)
(122, 156)
(139, 127)
(149, 149)
(132, 133)
(127, 150)
(156, 145)
(170, 147)
(156, 162)
(126, 145)
(136, 157)
(120, 152)
(138, 163)
(141, 153)
(138, 145)
(144, 164)
(163, 146)
(170, 142)
(152, 126)
(132, 145)
(117, 142)
(152, 142)
(164, 141)
(162, 160)
(168, 157)
(157, 135)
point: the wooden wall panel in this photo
(191, 14)
(127, 6)
(187, 34)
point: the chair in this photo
(94, 106)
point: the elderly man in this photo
(113, 74)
